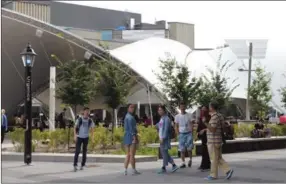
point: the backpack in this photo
(80, 123)
(173, 132)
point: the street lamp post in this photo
(28, 58)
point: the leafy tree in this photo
(283, 94)
(177, 83)
(260, 92)
(215, 87)
(76, 88)
(114, 83)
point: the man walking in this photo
(4, 125)
(81, 131)
(215, 141)
(184, 128)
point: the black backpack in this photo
(173, 132)
(80, 123)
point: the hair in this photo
(182, 103)
(163, 107)
(214, 105)
(85, 108)
(128, 105)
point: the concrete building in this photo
(114, 28)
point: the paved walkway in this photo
(252, 167)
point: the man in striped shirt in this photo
(214, 141)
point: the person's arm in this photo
(6, 123)
(166, 127)
(75, 127)
(92, 129)
(176, 125)
(212, 125)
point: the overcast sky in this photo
(214, 21)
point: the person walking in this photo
(130, 139)
(214, 142)
(202, 135)
(81, 135)
(164, 127)
(4, 125)
(184, 128)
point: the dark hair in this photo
(163, 107)
(128, 105)
(214, 105)
(182, 103)
(85, 108)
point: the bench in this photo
(237, 145)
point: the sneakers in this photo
(125, 172)
(190, 163)
(162, 171)
(183, 166)
(204, 170)
(174, 168)
(135, 172)
(210, 178)
(229, 174)
(81, 167)
(75, 168)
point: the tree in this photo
(283, 94)
(215, 87)
(260, 92)
(76, 88)
(177, 83)
(114, 83)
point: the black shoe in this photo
(200, 168)
(190, 163)
(183, 166)
(205, 170)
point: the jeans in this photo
(166, 156)
(215, 152)
(206, 163)
(84, 143)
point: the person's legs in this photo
(189, 145)
(77, 151)
(2, 134)
(84, 151)
(206, 163)
(222, 164)
(214, 156)
(127, 158)
(182, 147)
(132, 158)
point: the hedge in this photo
(57, 141)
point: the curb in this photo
(50, 157)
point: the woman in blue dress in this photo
(164, 127)
(130, 139)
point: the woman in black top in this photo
(202, 135)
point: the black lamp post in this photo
(28, 58)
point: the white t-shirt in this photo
(184, 122)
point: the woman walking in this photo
(202, 135)
(164, 127)
(130, 139)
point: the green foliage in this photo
(283, 93)
(260, 92)
(18, 138)
(77, 83)
(114, 81)
(177, 83)
(214, 85)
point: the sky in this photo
(214, 20)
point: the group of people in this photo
(210, 131)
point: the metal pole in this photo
(52, 108)
(249, 81)
(149, 101)
(28, 117)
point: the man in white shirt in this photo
(184, 128)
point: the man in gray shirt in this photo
(81, 134)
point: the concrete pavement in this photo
(251, 167)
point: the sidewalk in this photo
(251, 167)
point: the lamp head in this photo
(28, 56)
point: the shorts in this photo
(185, 141)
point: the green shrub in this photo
(243, 130)
(18, 139)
